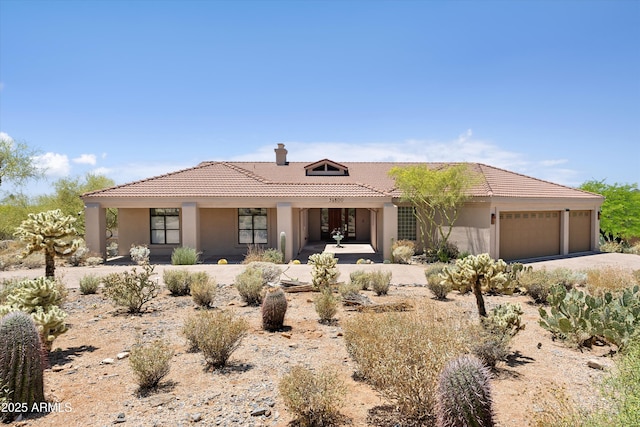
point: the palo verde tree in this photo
(620, 218)
(16, 162)
(437, 195)
(51, 232)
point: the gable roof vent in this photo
(281, 155)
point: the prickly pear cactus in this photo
(21, 361)
(274, 307)
(464, 394)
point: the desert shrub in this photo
(349, 290)
(269, 271)
(203, 289)
(150, 363)
(184, 256)
(131, 289)
(614, 247)
(492, 342)
(139, 254)
(79, 256)
(443, 252)
(402, 251)
(89, 284)
(324, 270)
(178, 282)
(439, 287)
(609, 279)
(93, 261)
(217, 334)
(314, 398)
(249, 284)
(273, 255)
(537, 284)
(359, 278)
(380, 281)
(635, 249)
(401, 354)
(256, 253)
(326, 305)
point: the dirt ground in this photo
(89, 389)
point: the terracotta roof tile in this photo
(365, 179)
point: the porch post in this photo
(285, 223)
(564, 232)
(595, 229)
(190, 225)
(95, 232)
(389, 228)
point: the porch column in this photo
(95, 233)
(389, 228)
(285, 223)
(595, 229)
(564, 232)
(190, 225)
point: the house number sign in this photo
(336, 199)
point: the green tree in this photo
(67, 198)
(620, 217)
(16, 162)
(437, 195)
(51, 232)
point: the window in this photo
(406, 223)
(252, 225)
(165, 226)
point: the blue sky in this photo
(132, 89)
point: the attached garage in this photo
(529, 234)
(579, 231)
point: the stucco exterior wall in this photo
(314, 224)
(134, 228)
(472, 231)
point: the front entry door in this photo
(335, 220)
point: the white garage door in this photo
(529, 234)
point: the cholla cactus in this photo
(324, 271)
(139, 254)
(464, 394)
(50, 232)
(40, 298)
(21, 362)
(479, 273)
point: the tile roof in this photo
(365, 179)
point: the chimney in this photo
(281, 155)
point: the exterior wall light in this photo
(493, 219)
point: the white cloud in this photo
(464, 148)
(5, 137)
(86, 159)
(102, 171)
(53, 164)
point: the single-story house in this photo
(221, 207)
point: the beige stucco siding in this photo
(133, 229)
(472, 231)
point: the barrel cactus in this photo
(274, 307)
(464, 394)
(21, 361)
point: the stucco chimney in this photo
(281, 155)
